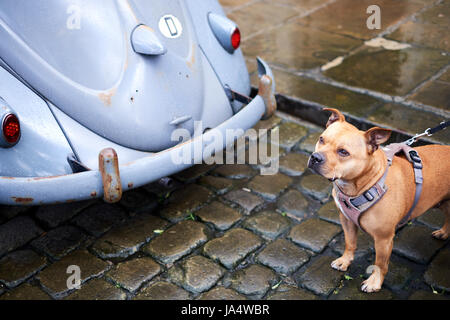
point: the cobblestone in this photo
(309, 144)
(437, 275)
(293, 164)
(131, 274)
(127, 239)
(221, 293)
(433, 218)
(352, 291)
(253, 281)
(138, 201)
(17, 232)
(233, 247)
(177, 241)
(364, 242)
(294, 203)
(196, 274)
(319, 277)
(54, 215)
(290, 134)
(270, 186)
(25, 292)
(162, 291)
(60, 241)
(283, 256)
(285, 292)
(316, 186)
(235, 171)
(267, 224)
(314, 234)
(329, 212)
(218, 184)
(219, 214)
(416, 243)
(99, 218)
(54, 277)
(98, 289)
(20, 265)
(244, 199)
(184, 201)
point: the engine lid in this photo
(79, 55)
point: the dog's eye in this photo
(343, 153)
(321, 141)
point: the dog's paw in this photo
(341, 264)
(440, 234)
(372, 284)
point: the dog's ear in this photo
(376, 136)
(336, 115)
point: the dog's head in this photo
(343, 151)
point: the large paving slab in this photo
(401, 70)
(312, 47)
(324, 94)
(336, 16)
(435, 93)
(268, 13)
(409, 120)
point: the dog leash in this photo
(429, 132)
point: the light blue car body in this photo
(85, 75)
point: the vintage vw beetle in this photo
(85, 84)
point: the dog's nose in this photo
(316, 158)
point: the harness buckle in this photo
(368, 195)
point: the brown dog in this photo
(352, 159)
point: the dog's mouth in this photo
(332, 179)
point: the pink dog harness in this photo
(353, 207)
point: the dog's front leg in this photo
(351, 234)
(383, 249)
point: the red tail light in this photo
(236, 38)
(11, 128)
